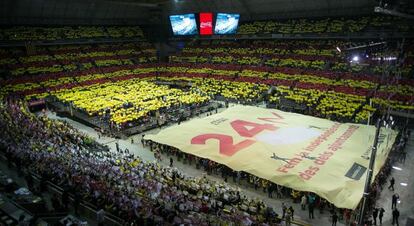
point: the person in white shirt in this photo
(303, 202)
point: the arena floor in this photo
(403, 174)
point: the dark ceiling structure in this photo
(119, 12)
(277, 9)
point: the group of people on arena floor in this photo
(139, 191)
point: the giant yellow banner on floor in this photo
(302, 152)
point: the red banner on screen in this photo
(206, 23)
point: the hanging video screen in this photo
(184, 24)
(226, 23)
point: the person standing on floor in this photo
(279, 191)
(142, 140)
(311, 205)
(381, 214)
(374, 215)
(284, 208)
(303, 202)
(288, 218)
(395, 216)
(171, 162)
(269, 190)
(395, 198)
(310, 208)
(238, 177)
(392, 182)
(334, 219)
(347, 216)
(403, 156)
(292, 211)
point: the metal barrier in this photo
(87, 209)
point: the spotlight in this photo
(355, 58)
(397, 168)
(403, 184)
(337, 48)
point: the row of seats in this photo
(126, 101)
(70, 58)
(341, 100)
(26, 33)
(318, 55)
(112, 68)
(327, 25)
(293, 26)
(359, 85)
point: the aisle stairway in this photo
(6, 219)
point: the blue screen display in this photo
(184, 24)
(226, 23)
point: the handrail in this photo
(402, 114)
(108, 216)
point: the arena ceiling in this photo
(265, 9)
(156, 11)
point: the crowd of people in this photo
(66, 72)
(306, 199)
(319, 55)
(325, 25)
(123, 184)
(48, 60)
(397, 154)
(126, 101)
(145, 192)
(110, 82)
(26, 33)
